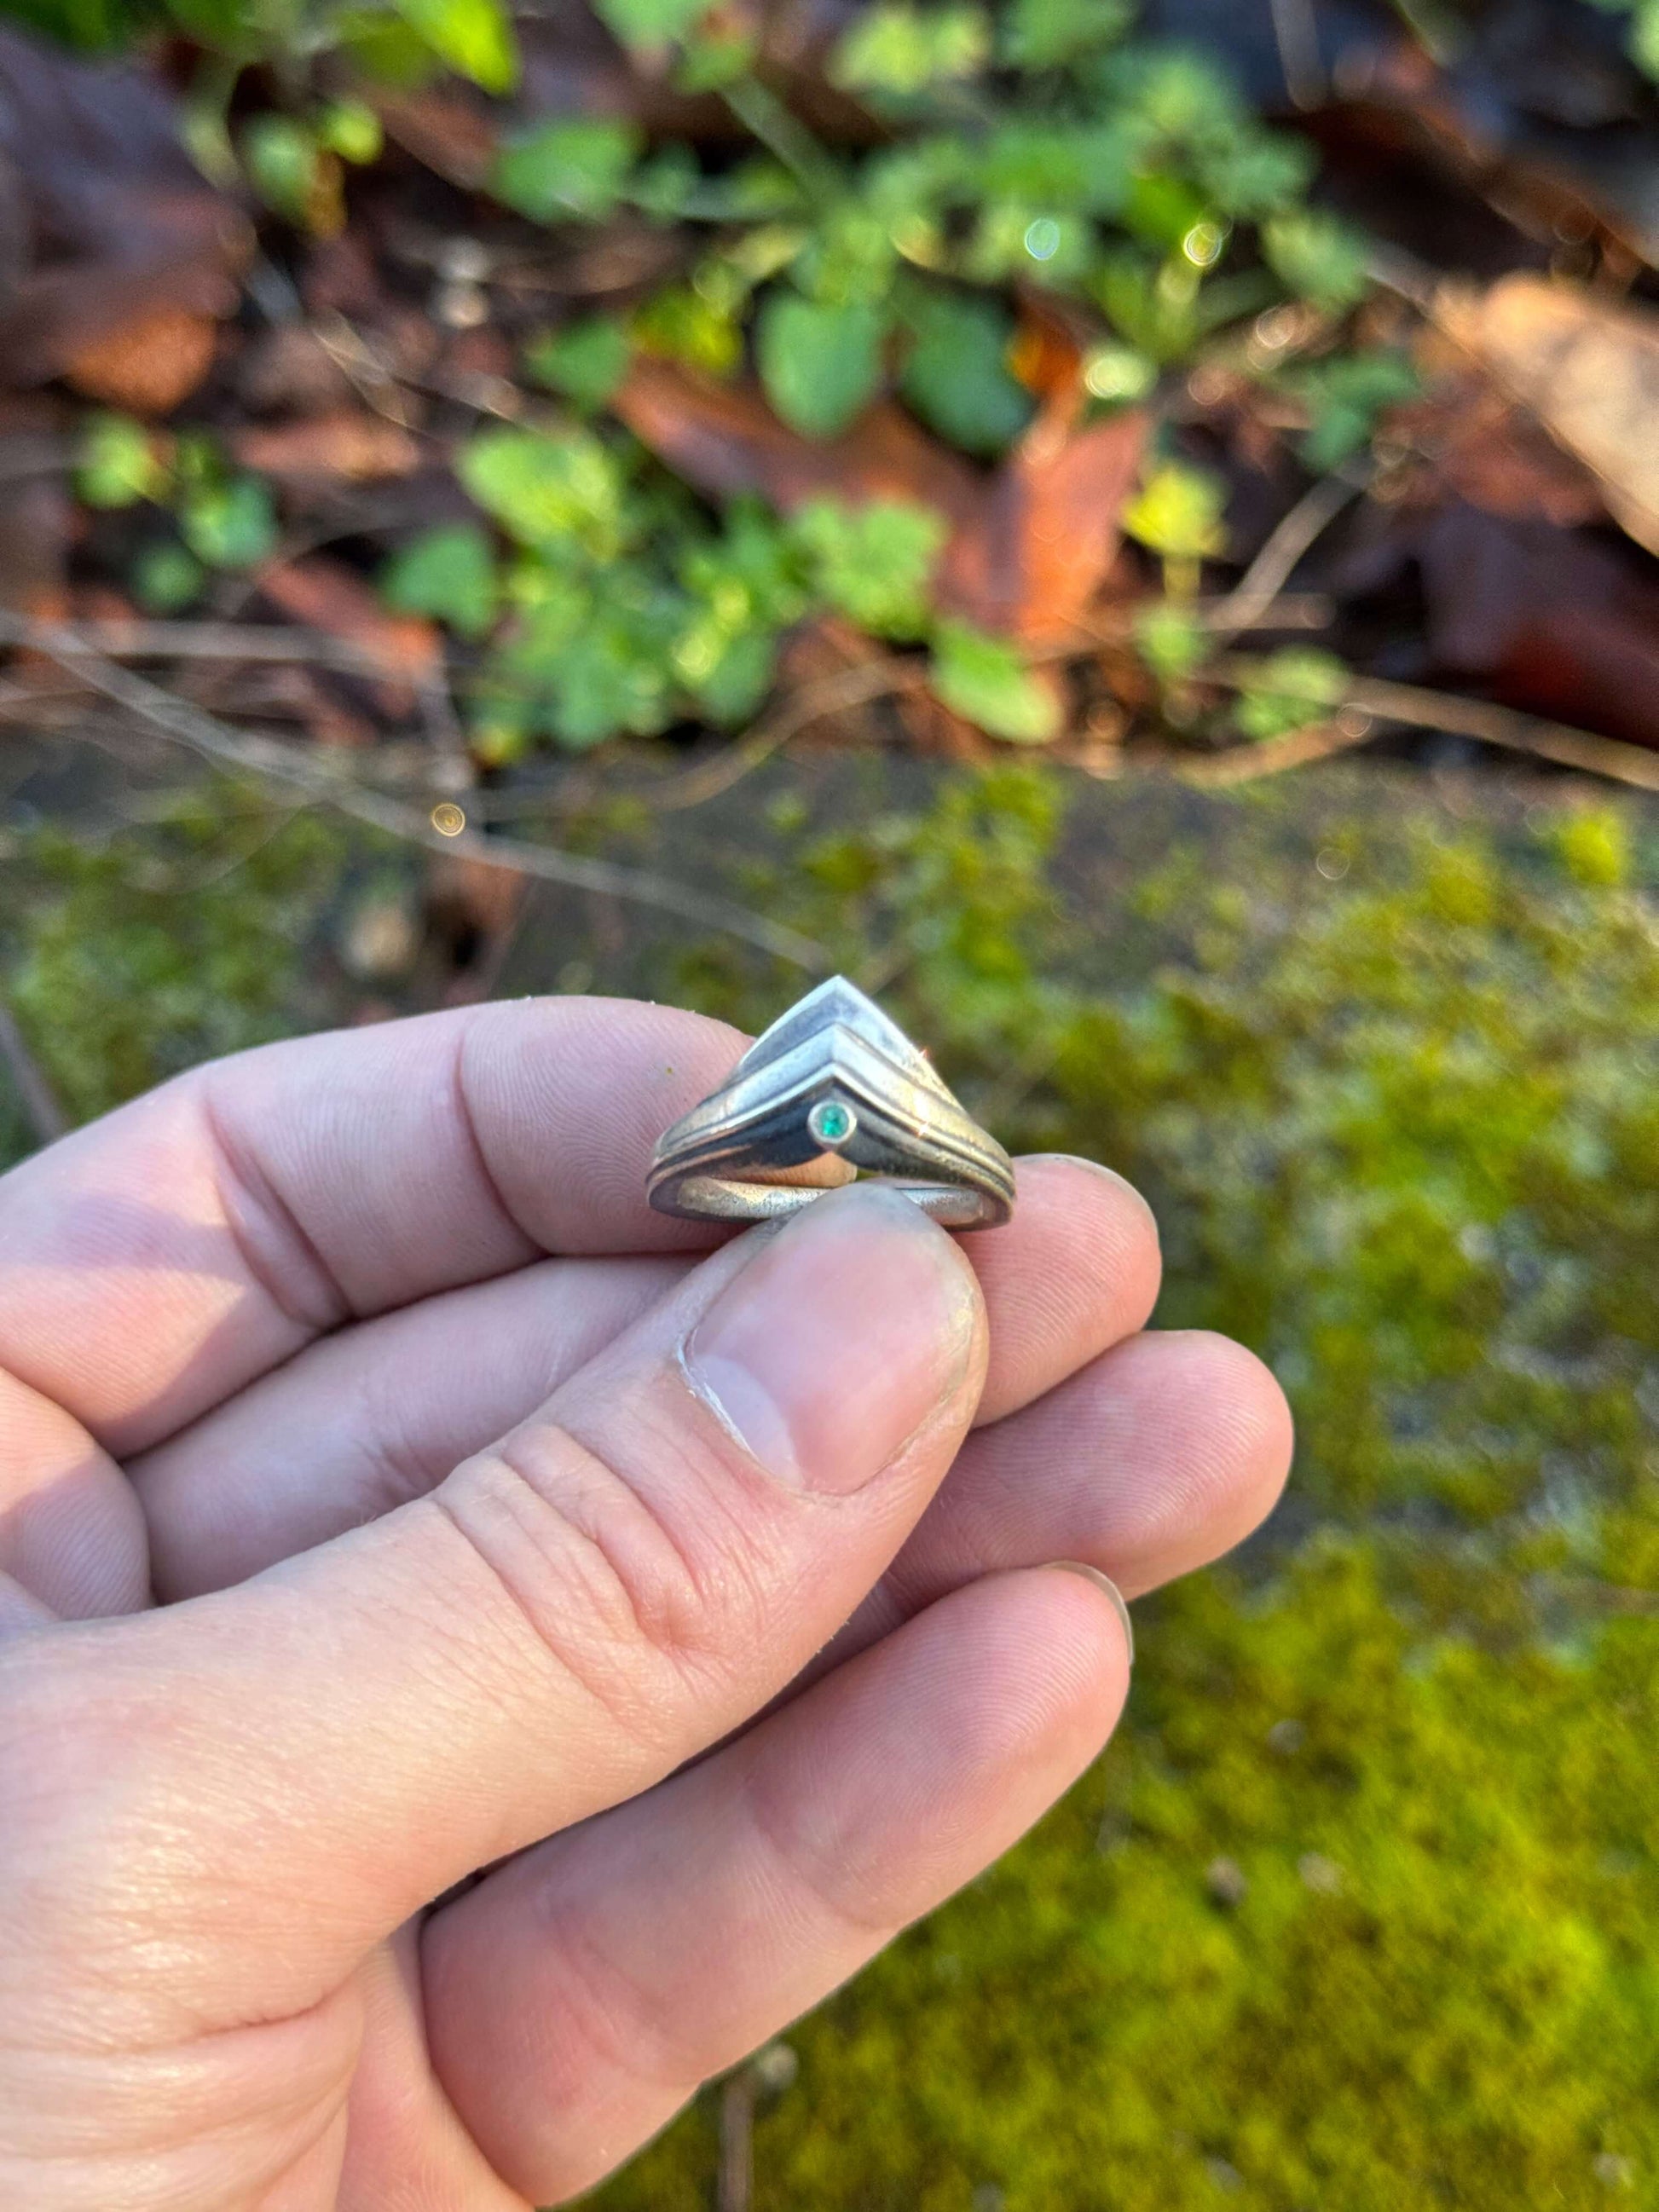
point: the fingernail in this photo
(838, 1340)
(1104, 1583)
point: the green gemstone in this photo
(831, 1122)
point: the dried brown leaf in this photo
(104, 221)
(1588, 369)
(347, 445)
(326, 595)
(147, 366)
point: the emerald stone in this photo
(831, 1122)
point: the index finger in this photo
(161, 1258)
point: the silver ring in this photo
(832, 1088)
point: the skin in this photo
(393, 1510)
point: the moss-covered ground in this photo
(1360, 1913)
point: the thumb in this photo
(285, 1771)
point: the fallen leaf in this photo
(1029, 545)
(1546, 620)
(147, 366)
(1048, 533)
(326, 595)
(1588, 370)
(1476, 441)
(105, 222)
(349, 444)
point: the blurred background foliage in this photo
(1358, 1910)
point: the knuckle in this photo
(637, 1592)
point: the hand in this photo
(351, 1544)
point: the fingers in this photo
(372, 1416)
(1154, 1460)
(71, 1530)
(160, 1259)
(377, 1415)
(621, 1582)
(577, 1998)
(1157, 1458)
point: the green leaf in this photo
(1041, 34)
(1041, 164)
(1177, 514)
(874, 563)
(986, 680)
(956, 376)
(1346, 395)
(1172, 641)
(282, 158)
(650, 22)
(165, 579)
(566, 170)
(119, 464)
(474, 37)
(1251, 173)
(735, 681)
(449, 574)
(899, 49)
(351, 129)
(591, 659)
(1162, 207)
(585, 359)
(548, 492)
(230, 525)
(1289, 690)
(1118, 374)
(1318, 257)
(821, 364)
(682, 325)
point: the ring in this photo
(832, 1085)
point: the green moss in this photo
(136, 954)
(1357, 1911)
(1354, 1913)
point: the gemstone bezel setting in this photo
(833, 1123)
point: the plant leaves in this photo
(987, 681)
(820, 362)
(956, 376)
(650, 22)
(586, 361)
(566, 170)
(873, 563)
(1029, 548)
(449, 574)
(544, 490)
(474, 37)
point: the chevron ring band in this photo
(832, 1088)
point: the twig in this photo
(848, 687)
(1245, 764)
(737, 2174)
(227, 640)
(323, 781)
(1296, 32)
(46, 1116)
(1115, 625)
(1271, 570)
(1368, 702)
(21, 457)
(1507, 726)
